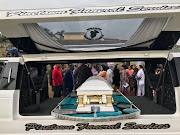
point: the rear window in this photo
(94, 35)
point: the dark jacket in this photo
(68, 82)
(116, 77)
(83, 73)
(134, 81)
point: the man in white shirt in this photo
(140, 81)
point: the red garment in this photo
(56, 77)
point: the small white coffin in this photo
(95, 87)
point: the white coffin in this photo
(95, 85)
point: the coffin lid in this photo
(95, 83)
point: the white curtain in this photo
(144, 36)
(149, 29)
(43, 40)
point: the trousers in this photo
(140, 90)
(57, 91)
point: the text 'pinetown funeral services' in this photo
(87, 126)
(76, 11)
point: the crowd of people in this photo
(130, 81)
(131, 78)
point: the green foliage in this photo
(49, 32)
(176, 47)
(3, 39)
(2, 52)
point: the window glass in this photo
(93, 31)
(2, 65)
(8, 78)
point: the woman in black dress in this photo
(116, 77)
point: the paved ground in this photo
(147, 106)
(45, 107)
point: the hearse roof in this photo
(158, 30)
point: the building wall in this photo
(74, 37)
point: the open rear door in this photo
(132, 27)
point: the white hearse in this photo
(149, 35)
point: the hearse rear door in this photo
(8, 86)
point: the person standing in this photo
(141, 81)
(74, 74)
(124, 80)
(110, 75)
(116, 77)
(110, 65)
(68, 80)
(63, 69)
(103, 72)
(134, 81)
(83, 73)
(130, 72)
(93, 70)
(97, 68)
(57, 80)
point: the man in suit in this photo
(68, 80)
